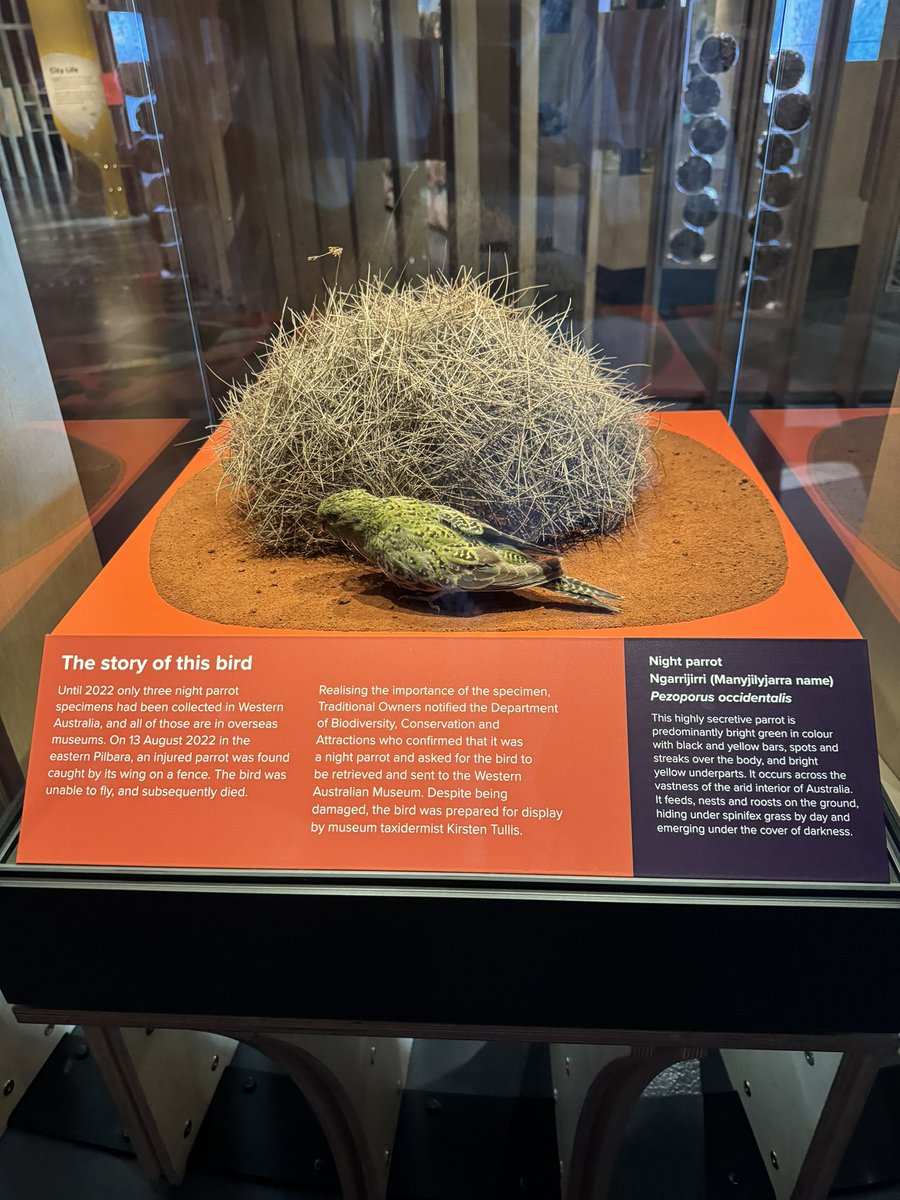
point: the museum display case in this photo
(450, 462)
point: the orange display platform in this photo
(165, 739)
(123, 600)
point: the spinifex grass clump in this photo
(441, 392)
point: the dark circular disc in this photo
(786, 69)
(770, 261)
(762, 292)
(157, 192)
(693, 174)
(792, 111)
(144, 117)
(162, 226)
(779, 188)
(700, 211)
(718, 53)
(146, 155)
(709, 135)
(702, 95)
(775, 150)
(686, 245)
(768, 227)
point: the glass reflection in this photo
(786, 69)
(702, 95)
(779, 188)
(775, 150)
(766, 226)
(701, 210)
(686, 246)
(759, 293)
(693, 175)
(792, 111)
(709, 135)
(718, 53)
(770, 261)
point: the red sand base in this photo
(703, 541)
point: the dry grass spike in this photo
(443, 391)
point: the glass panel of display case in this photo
(822, 210)
(595, 156)
(400, 211)
(103, 395)
(820, 339)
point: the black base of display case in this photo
(553, 961)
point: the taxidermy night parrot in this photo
(432, 548)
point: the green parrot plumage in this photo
(435, 549)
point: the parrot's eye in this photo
(329, 511)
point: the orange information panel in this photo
(733, 745)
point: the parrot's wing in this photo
(410, 566)
(461, 523)
(500, 569)
(456, 564)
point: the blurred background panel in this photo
(176, 173)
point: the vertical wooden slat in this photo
(268, 159)
(5, 174)
(326, 111)
(678, 32)
(592, 244)
(529, 85)
(570, 164)
(181, 87)
(16, 86)
(463, 175)
(495, 134)
(25, 53)
(593, 201)
(16, 91)
(356, 44)
(211, 92)
(291, 117)
(67, 155)
(402, 34)
(215, 115)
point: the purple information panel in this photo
(753, 759)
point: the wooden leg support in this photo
(23, 1051)
(803, 1107)
(354, 1086)
(596, 1088)
(162, 1082)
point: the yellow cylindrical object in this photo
(72, 74)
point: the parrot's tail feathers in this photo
(584, 593)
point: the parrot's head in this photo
(348, 515)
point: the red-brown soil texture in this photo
(704, 540)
